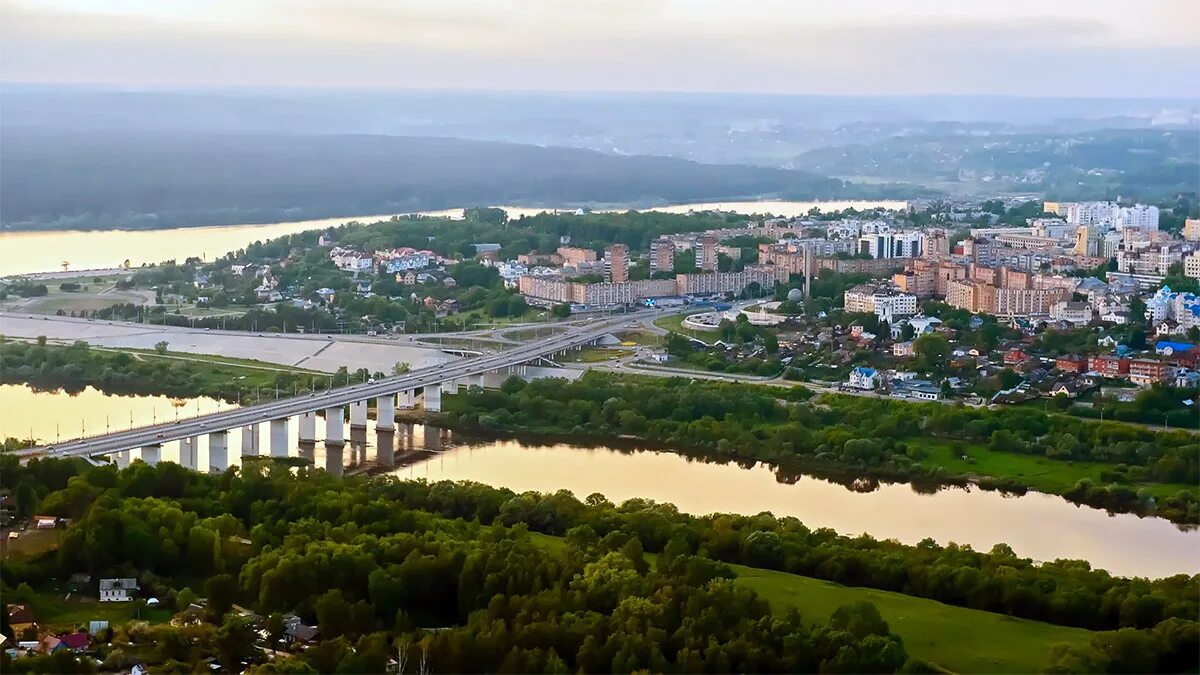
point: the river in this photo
(33, 252)
(1043, 527)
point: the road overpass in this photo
(388, 392)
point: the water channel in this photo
(46, 251)
(1043, 527)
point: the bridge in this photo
(388, 392)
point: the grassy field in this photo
(640, 339)
(956, 638)
(30, 543)
(60, 613)
(674, 323)
(1037, 472)
(595, 355)
(214, 360)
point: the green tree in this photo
(220, 591)
(161, 347)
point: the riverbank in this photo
(852, 440)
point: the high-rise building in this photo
(1191, 229)
(1138, 217)
(937, 244)
(616, 259)
(706, 259)
(662, 255)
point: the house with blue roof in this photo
(864, 378)
(1168, 348)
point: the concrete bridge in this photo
(389, 393)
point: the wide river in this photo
(32, 252)
(1042, 527)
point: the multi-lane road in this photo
(575, 336)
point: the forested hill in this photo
(146, 179)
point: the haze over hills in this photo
(146, 179)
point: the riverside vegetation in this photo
(375, 561)
(1140, 470)
(1117, 466)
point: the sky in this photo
(1108, 48)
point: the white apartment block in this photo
(1138, 217)
(888, 244)
(884, 300)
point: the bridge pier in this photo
(279, 438)
(250, 440)
(335, 426)
(433, 398)
(121, 459)
(151, 454)
(308, 426)
(358, 414)
(334, 459)
(385, 447)
(188, 452)
(407, 399)
(385, 412)
(218, 451)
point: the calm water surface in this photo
(1038, 526)
(30, 252)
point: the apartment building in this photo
(765, 276)
(706, 257)
(574, 255)
(1108, 365)
(883, 299)
(1145, 372)
(662, 255)
(616, 259)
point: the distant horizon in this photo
(117, 87)
(1029, 48)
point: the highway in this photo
(290, 407)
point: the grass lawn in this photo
(595, 355)
(956, 638)
(674, 323)
(58, 613)
(214, 360)
(641, 339)
(1036, 471)
(31, 543)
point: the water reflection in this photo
(1040, 526)
(1043, 527)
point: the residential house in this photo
(449, 282)
(326, 294)
(1117, 317)
(1015, 358)
(863, 377)
(1071, 364)
(1167, 348)
(1166, 327)
(902, 349)
(1145, 372)
(922, 390)
(22, 621)
(76, 642)
(408, 278)
(1068, 388)
(50, 644)
(1186, 379)
(295, 632)
(1109, 365)
(118, 590)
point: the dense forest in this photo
(142, 179)
(449, 574)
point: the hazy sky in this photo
(1031, 47)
